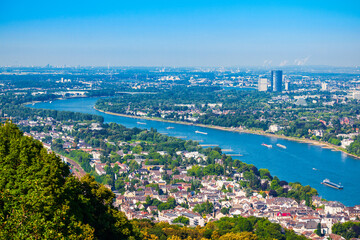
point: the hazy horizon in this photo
(180, 33)
(154, 66)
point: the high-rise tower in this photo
(276, 80)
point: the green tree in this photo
(41, 200)
(182, 219)
(318, 230)
(204, 208)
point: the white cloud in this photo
(283, 63)
(267, 62)
(301, 61)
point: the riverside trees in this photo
(318, 120)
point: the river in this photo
(293, 164)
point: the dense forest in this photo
(41, 200)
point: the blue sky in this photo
(180, 33)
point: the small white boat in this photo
(281, 146)
(205, 133)
(142, 123)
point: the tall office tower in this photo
(263, 84)
(276, 80)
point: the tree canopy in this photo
(39, 199)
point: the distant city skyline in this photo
(180, 33)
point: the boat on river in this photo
(205, 133)
(267, 145)
(170, 128)
(141, 123)
(281, 146)
(327, 182)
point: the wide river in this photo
(293, 164)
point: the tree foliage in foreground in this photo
(347, 230)
(39, 199)
(225, 229)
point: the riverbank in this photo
(257, 132)
(296, 164)
(55, 99)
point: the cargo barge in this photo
(331, 184)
